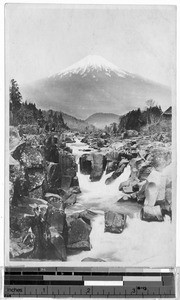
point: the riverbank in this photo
(74, 189)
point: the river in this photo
(140, 244)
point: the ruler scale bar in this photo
(88, 283)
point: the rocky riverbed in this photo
(90, 198)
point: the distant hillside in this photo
(100, 120)
(77, 124)
(71, 122)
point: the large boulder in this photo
(93, 164)
(85, 162)
(35, 178)
(32, 158)
(47, 223)
(53, 177)
(98, 166)
(20, 182)
(114, 222)
(78, 235)
(68, 164)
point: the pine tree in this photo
(15, 96)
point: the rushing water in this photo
(141, 243)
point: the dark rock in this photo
(35, 178)
(21, 187)
(114, 222)
(37, 193)
(100, 142)
(112, 155)
(85, 164)
(48, 230)
(68, 164)
(74, 190)
(69, 140)
(53, 177)
(78, 235)
(145, 171)
(89, 259)
(32, 158)
(55, 200)
(111, 166)
(98, 166)
(66, 182)
(128, 185)
(141, 193)
(18, 150)
(86, 215)
(151, 214)
(116, 174)
(17, 248)
(59, 250)
(71, 200)
(75, 182)
(93, 164)
(56, 218)
(52, 154)
(68, 149)
(128, 197)
(85, 140)
(124, 161)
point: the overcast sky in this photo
(44, 39)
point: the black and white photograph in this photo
(90, 134)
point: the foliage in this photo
(27, 113)
(15, 99)
(135, 119)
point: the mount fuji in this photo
(94, 85)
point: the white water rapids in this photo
(140, 244)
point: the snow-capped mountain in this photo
(95, 85)
(92, 63)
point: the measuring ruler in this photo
(88, 282)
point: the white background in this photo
(2, 101)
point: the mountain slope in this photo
(95, 85)
(77, 124)
(100, 120)
(72, 122)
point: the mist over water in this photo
(141, 243)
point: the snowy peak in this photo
(92, 63)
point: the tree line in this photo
(136, 119)
(28, 114)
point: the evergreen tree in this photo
(15, 99)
